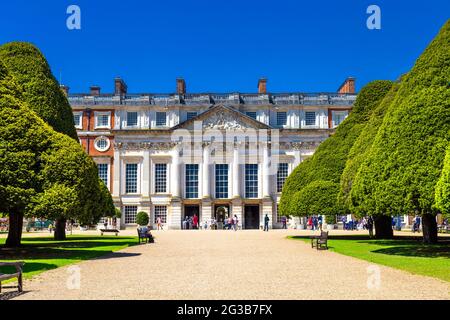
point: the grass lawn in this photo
(43, 253)
(405, 253)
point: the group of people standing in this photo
(315, 222)
(190, 222)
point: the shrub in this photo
(142, 218)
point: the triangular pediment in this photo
(221, 117)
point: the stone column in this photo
(175, 174)
(266, 172)
(236, 173)
(146, 174)
(206, 172)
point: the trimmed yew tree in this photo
(399, 175)
(40, 90)
(23, 137)
(442, 196)
(329, 160)
(318, 198)
(70, 187)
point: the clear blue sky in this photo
(222, 46)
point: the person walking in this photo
(320, 222)
(370, 226)
(158, 223)
(266, 223)
(315, 223)
(235, 222)
(310, 223)
(284, 222)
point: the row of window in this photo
(191, 179)
(160, 211)
(130, 213)
(103, 119)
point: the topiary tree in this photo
(442, 196)
(66, 168)
(399, 175)
(142, 218)
(23, 137)
(328, 161)
(318, 198)
(40, 90)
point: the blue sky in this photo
(223, 46)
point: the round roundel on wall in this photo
(101, 143)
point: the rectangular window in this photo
(338, 117)
(132, 119)
(161, 212)
(130, 214)
(251, 114)
(102, 119)
(222, 181)
(103, 172)
(77, 117)
(192, 181)
(251, 181)
(160, 177)
(282, 174)
(131, 177)
(310, 118)
(191, 115)
(281, 118)
(160, 119)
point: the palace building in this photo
(209, 154)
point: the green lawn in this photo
(43, 253)
(405, 253)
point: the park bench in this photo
(102, 231)
(144, 237)
(320, 242)
(17, 274)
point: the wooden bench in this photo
(320, 242)
(144, 237)
(102, 231)
(18, 274)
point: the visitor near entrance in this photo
(266, 223)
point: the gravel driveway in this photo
(230, 265)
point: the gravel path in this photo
(231, 265)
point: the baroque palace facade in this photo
(214, 155)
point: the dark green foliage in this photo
(23, 136)
(39, 87)
(328, 162)
(43, 173)
(361, 148)
(443, 187)
(142, 218)
(400, 172)
(317, 198)
(70, 185)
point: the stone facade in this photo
(212, 155)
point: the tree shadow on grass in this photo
(399, 246)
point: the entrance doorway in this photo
(251, 215)
(189, 211)
(221, 213)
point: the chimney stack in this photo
(262, 85)
(120, 87)
(181, 86)
(348, 86)
(65, 89)
(95, 90)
